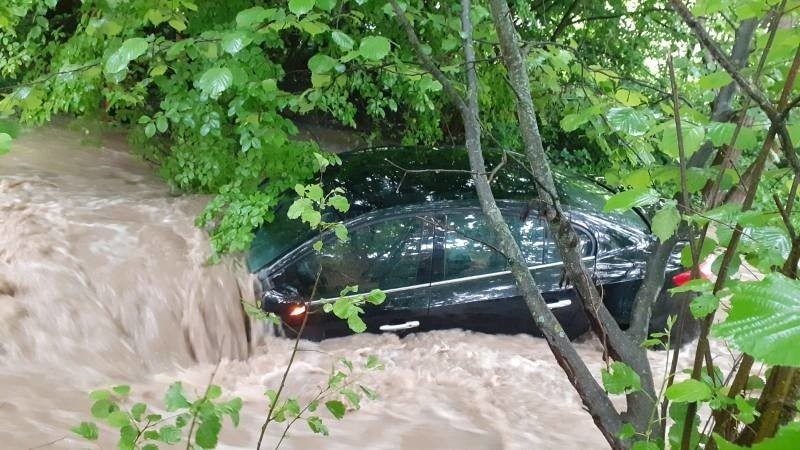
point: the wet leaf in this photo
(300, 7)
(127, 52)
(689, 391)
(316, 425)
(336, 408)
(215, 81)
(174, 398)
(620, 379)
(764, 320)
(631, 199)
(86, 430)
(374, 48)
(666, 221)
(786, 438)
(628, 120)
(341, 39)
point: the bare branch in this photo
(708, 43)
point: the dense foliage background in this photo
(213, 90)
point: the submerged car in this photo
(416, 232)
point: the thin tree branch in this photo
(708, 43)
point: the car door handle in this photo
(401, 326)
(560, 304)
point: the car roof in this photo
(388, 177)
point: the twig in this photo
(274, 402)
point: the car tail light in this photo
(684, 277)
(297, 310)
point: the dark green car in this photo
(416, 232)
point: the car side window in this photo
(381, 255)
(551, 253)
(470, 247)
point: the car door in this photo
(474, 289)
(472, 286)
(392, 254)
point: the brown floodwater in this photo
(103, 281)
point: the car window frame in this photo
(365, 220)
(439, 238)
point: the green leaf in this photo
(213, 392)
(118, 419)
(178, 24)
(320, 63)
(326, 5)
(336, 408)
(666, 221)
(707, 7)
(693, 138)
(162, 124)
(150, 129)
(102, 408)
(374, 48)
(300, 7)
(316, 425)
(689, 391)
(341, 39)
(369, 393)
(246, 18)
(174, 398)
(5, 143)
(339, 203)
(86, 430)
(317, 246)
(169, 434)
(631, 199)
(628, 120)
(138, 410)
(714, 80)
(127, 438)
(235, 41)
(620, 379)
(704, 305)
(208, 432)
(645, 445)
(232, 408)
(352, 397)
(786, 438)
(629, 98)
(721, 133)
(373, 363)
(355, 323)
(127, 52)
(709, 245)
(340, 231)
(572, 122)
(298, 207)
(627, 431)
(764, 320)
(376, 297)
(700, 285)
(312, 217)
(215, 81)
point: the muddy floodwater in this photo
(103, 281)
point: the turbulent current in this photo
(103, 281)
